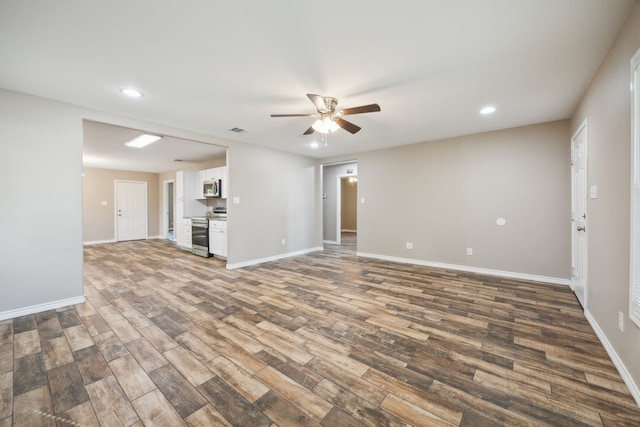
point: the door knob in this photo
(582, 229)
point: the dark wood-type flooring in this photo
(167, 338)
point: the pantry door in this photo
(131, 210)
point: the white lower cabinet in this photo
(218, 238)
(183, 233)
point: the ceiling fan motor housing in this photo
(330, 103)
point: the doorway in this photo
(332, 199)
(579, 213)
(168, 211)
(131, 210)
(347, 213)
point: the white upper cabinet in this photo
(200, 178)
(208, 175)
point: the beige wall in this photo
(98, 185)
(606, 107)
(445, 196)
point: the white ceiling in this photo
(208, 66)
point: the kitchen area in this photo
(201, 211)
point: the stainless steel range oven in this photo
(200, 236)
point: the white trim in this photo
(634, 256)
(490, 272)
(165, 207)
(99, 242)
(348, 230)
(622, 369)
(272, 258)
(330, 242)
(11, 314)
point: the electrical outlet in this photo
(409, 245)
(621, 321)
(284, 242)
(469, 251)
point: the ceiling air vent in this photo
(238, 130)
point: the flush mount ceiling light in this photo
(142, 140)
(130, 92)
(489, 109)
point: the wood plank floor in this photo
(167, 339)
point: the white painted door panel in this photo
(131, 204)
(579, 214)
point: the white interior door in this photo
(579, 213)
(131, 214)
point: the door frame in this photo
(165, 208)
(115, 206)
(574, 249)
(339, 205)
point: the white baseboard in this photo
(10, 314)
(330, 242)
(347, 230)
(490, 272)
(272, 258)
(622, 369)
(99, 242)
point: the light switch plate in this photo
(593, 192)
(236, 200)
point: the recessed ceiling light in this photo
(489, 109)
(314, 145)
(142, 140)
(130, 92)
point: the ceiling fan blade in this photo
(292, 115)
(348, 126)
(309, 131)
(371, 108)
(318, 102)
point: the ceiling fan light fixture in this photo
(325, 124)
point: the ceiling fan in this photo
(330, 119)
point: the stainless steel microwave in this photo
(212, 188)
